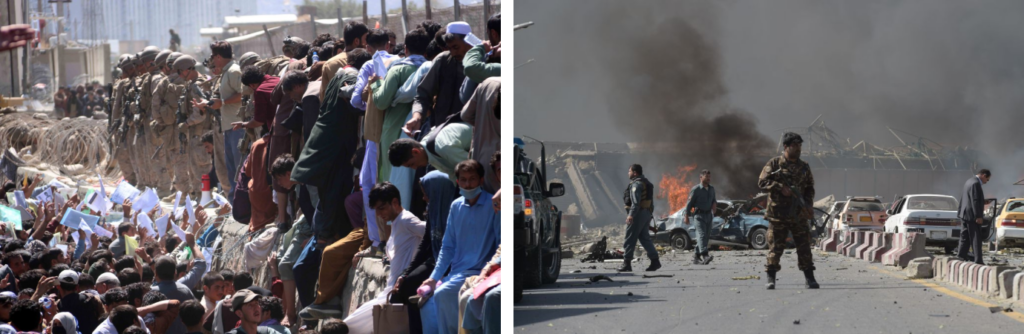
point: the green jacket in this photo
(475, 65)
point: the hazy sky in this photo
(949, 70)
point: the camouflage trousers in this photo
(778, 231)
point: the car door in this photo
(898, 215)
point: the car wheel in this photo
(532, 277)
(759, 239)
(681, 241)
(553, 259)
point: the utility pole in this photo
(383, 14)
(427, 4)
(457, 11)
(366, 18)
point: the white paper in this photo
(145, 201)
(123, 191)
(191, 210)
(88, 230)
(19, 199)
(161, 224)
(45, 196)
(178, 231)
(220, 199)
(66, 193)
(57, 184)
(105, 204)
(103, 232)
(146, 223)
(177, 197)
(58, 201)
(64, 248)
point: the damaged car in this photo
(736, 223)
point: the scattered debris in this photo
(744, 278)
(842, 268)
(601, 277)
(939, 315)
(577, 271)
(629, 294)
(656, 276)
(796, 322)
(997, 309)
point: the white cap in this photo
(108, 278)
(68, 276)
(459, 27)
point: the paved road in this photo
(855, 297)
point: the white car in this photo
(933, 215)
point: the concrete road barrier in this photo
(909, 246)
(858, 239)
(940, 266)
(920, 268)
(829, 245)
(869, 241)
(990, 280)
(884, 245)
(1005, 281)
(846, 241)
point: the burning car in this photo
(736, 223)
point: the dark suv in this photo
(537, 223)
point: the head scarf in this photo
(441, 192)
(68, 321)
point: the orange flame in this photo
(676, 187)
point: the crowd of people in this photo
(83, 100)
(345, 148)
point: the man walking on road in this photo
(790, 187)
(972, 206)
(702, 199)
(639, 200)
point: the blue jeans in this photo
(483, 315)
(232, 157)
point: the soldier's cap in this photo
(172, 57)
(241, 298)
(184, 62)
(293, 39)
(790, 138)
(149, 53)
(248, 58)
(161, 58)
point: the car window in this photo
(932, 203)
(899, 206)
(864, 206)
(1015, 206)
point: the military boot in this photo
(771, 280)
(811, 283)
(625, 267)
(696, 258)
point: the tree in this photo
(329, 8)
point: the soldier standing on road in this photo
(790, 186)
(702, 204)
(639, 200)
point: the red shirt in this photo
(265, 109)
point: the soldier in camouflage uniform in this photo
(124, 162)
(165, 106)
(161, 124)
(190, 164)
(145, 167)
(639, 200)
(790, 186)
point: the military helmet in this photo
(148, 54)
(161, 58)
(172, 57)
(184, 62)
(248, 58)
(127, 62)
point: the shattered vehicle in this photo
(859, 214)
(537, 223)
(736, 223)
(1010, 223)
